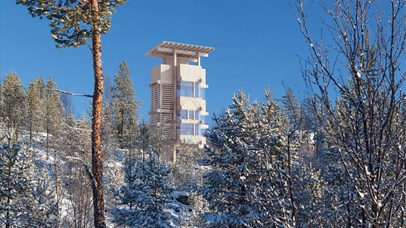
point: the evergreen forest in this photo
(333, 158)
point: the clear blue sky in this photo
(256, 43)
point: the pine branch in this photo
(73, 94)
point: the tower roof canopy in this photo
(166, 48)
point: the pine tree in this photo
(144, 139)
(12, 108)
(143, 198)
(54, 113)
(108, 131)
(292, 108)
(124, 105)
(45, 206)
(34, 94)
(53, 119)
(73, 22)
(26, 193)
(15, 185)
(247, 185)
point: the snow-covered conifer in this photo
(34, 114)
(12, 107)
(24, 197)
(15, 185)
(124, 105)
(143, 198)
(246, 185)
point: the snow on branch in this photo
(73, 94)
(77, 128)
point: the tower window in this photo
(185, 129)
(190, 89)
(189, 129)
(185, 89)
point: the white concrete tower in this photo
(178, 86)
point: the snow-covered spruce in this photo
(247, 183)
(25, 199)
(143, 198)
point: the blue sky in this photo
(257, 44)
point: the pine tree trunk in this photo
(97, 160)
(30, 126)
(121, 129)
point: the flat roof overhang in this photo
(166, 48)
